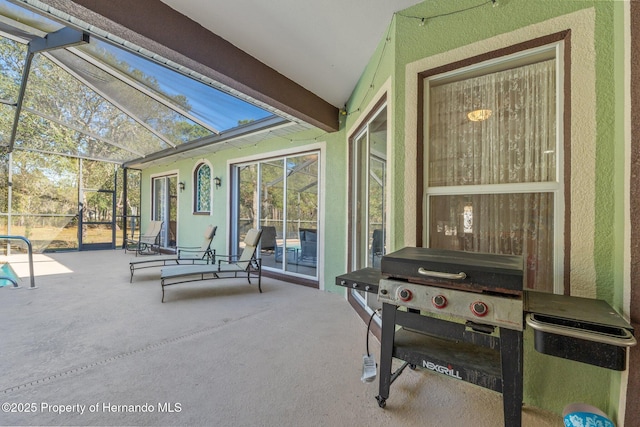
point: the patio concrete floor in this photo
(89, 348)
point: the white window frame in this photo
(557, 187)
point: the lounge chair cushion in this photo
(185, 270)
(186, 255)
(253, 237)
(247, 265)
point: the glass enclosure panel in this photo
(4, 197)
(272, 211)
(207, 104)
(98, 175)
(81, 109)
(98, 206)
(167, 122)
(13, 56)
(132, 208)
(45, 199)
(7, 114)
(117, 105)
(4, 185)
(38, 133)
(97, 234)
(39, 23)
(97, 217)
(47, 233)
(511, 224)
(301, 247)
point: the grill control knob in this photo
(405, 295)
(479, 308)
(439, 301)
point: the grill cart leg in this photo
(511, 365)
(386, 352)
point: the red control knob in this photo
(439, 301)
(479, 308)
(405, 295)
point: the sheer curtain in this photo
(512, 144)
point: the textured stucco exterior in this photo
(596, 186)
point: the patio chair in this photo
(268, 238)
(147, 243)
(308, 244)
(229, 266)
(185, 255)
(377, 246)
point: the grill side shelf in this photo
(365, 280)
(581, 329)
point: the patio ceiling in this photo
(134, 91)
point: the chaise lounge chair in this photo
(148, 243)
(227, 267)
(186, 255)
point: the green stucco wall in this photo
(550, 383)
(190, 227)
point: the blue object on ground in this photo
(8, 276)
(583, 415)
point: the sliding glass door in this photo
(368, 199)
(165, 208)
(280, 196)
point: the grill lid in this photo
(482, 271)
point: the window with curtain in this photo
(492, 179)
(202, 188)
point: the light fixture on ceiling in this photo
(218, 181)
(479, 115)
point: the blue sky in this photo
(210, 105)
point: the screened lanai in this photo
(82, 110)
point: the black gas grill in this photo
(462, 315)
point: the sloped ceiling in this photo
(322, 45)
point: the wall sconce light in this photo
(181, 185)
(218, 181)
